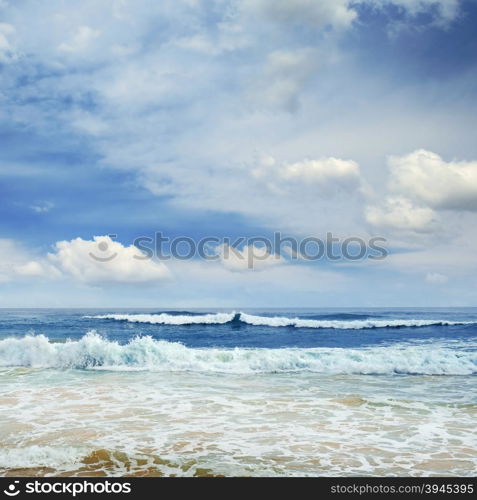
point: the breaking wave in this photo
(275, 321)
(144, 353)
(171, 319)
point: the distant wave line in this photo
(275, 321)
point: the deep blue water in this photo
(61, 324)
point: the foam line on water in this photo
(39, 456)
(170, 319)
(342, 324)
(276, 321)
(144, 353)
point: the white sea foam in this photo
(171, 319)
(276, 321)
(144, 353)
(39, 456)
(342, 324)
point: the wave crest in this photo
(275, 321)
(171, 319)
(144, 353)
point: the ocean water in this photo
(248, 392)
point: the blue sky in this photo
(228, 118)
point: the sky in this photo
(227, 119)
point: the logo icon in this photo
(12, 490)
(103, 247)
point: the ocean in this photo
(302, 392)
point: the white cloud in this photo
(425, 194)
(401, 213)
(16, 262)
(102, 261)
(31, 268)
(426, 178)
(171, 105)
(186, 92)
(328, 175)
(322, 171)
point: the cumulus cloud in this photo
(330, 174)
(102, 261)
(322, 171)
(401, 213)
(422, 190)
(31, 268)
(426, 178)
(96, 262)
